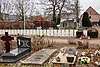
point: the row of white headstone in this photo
(66, 32)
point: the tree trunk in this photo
(58, 19)
(1, 18)
(54, 14)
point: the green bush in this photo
(86, 20)
(93, 33)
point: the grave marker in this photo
(39, 58)
(24, 48)
(7, 38)
(23, 42)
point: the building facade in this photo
(94, 16)
(72, 15)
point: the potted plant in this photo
(84, 60)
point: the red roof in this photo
(92, 11)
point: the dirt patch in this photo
(58, 42)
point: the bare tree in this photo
(0, 10)
(1, 17)
(7, 9)
(23, 8)
(60, 6)
(0, 5)
(32, 9)
(54, 7)
(77, 10)
(20, 8)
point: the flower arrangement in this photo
(84, 60)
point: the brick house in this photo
(94, 16)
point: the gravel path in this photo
(64, 41)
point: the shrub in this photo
(86, 20)
(93, 33)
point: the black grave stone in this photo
(24, 48)
(23, 42)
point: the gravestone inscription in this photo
(23, 42)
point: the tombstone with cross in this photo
(7, 38)
(23, 49)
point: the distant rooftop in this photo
(92, 11)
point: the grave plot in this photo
(24, 48)
(39, 58)
(65, 58)
(88, 58)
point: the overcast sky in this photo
(86, 3)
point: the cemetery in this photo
(39, 51)
(48, 33)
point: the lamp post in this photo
(24, 16)
(24, 20)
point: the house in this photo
(94, 16)
(70, 18)
(67, 23)
(63, 24)
(71, 24)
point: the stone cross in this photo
(7, 38)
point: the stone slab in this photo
(14, 55)
(39, 57)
